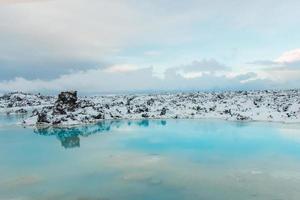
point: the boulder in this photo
(163, 111)
(150, 102)
(21, 111)
(66, 102)
(145, 115)
(42, 118)
(240, 117)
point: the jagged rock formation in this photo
(67, 110)
(66, 102)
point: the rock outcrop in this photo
(67, 110)
(66, 102)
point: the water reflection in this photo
(70, 136)
(173, 159)
(12, 119)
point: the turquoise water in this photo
(156, 159)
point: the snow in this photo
(274, 106)
(13, 103)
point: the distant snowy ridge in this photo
(68, 109)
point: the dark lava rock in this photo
(228, 112)
(42, 118)
(212, 108)
(34, 112)
(150, 102)
(68, 98)
(141, 109)
(285, 108)
(129, 100)
(66, 102)
(85, 104)
(99, 116)
(129, 110)
(241, 117)
(145, 115)
(10, 105)
(220, 96)
(21, 111)
(59, 109)
(163, 111)
(57, 121)
(114, 116)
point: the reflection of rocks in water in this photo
(163, 122)
(144, 123)
(70, 136)
(70, 142)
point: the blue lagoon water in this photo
(151, 160)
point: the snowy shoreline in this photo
(68, 109)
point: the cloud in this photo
(121, 68)
(285, 74)
(47, 43)
(114, 78)
(205, 65)
(57, 36)
(60, 36)
(284, 69)
(199, 68)
(289, 57)
(128, 78)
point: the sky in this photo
(100, 46)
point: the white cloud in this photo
(191, 75)
(286, 59)
(121, 68)
(280, 74)
(289, 57)
(284, 69)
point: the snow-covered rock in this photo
(67, 110)
(267, 105)
(22, 103)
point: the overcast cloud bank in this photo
(129, 45)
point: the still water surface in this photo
(151, 160)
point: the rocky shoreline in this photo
(69, 109)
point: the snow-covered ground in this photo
(67, 109)
(22, 103)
